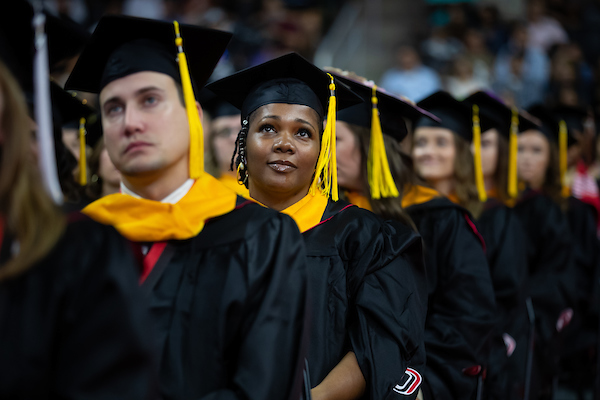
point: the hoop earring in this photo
(241, 169)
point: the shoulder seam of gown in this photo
(325, 220)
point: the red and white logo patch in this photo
(510, 343)
(410, 382)
(564, 319)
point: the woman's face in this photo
(224, 132)
(534, 158)
(107, 171)
(70, 137)
(433, 153)
(489, 152)
(282, 149)
(348, 157)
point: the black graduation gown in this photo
(73, 326)
(582, 218)
(581, 335)
(367, 289)
(229, 307)
(550, 257)
(460, 315)
(550, 262)
(506, 253)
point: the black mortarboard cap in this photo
(289, 79)
(573, 116)
(495, 112)
(23, 72)
(16, 40)
(392, 109)
(68, 111)
(215, 106)
(17, 51)
(549, 123)
(453, 115)
(121, 46)
(70, 108)
(65, 38)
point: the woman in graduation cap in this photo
(441, 151)
(578, 365)
(71, 320)
(366, 276)
(376, 175)
(222, 134)
(506, 241)
(565, 242)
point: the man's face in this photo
(145, 125)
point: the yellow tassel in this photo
(196, 131)
(82, 154)
(513, 190)
(477, 156)
(380, 177)
(562, 157)
(325, 179)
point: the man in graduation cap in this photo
(226, 278)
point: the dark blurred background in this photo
(526, 51)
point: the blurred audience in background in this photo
(543, 31)
(521, 71)
(410, 77)
(549, 55)
(464, 80)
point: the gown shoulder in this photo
(235, 294)
(85, 299)
(369, 273)
(461, 308)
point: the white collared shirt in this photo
(173, 198)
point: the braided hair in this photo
(240, 161)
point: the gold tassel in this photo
(82, 154)
(477, 156)
(196, 131)
(562, 157)
(325, 178)
(513, 149)
(381, 181)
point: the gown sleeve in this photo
(103, 348)
(506, 252)
(551, 263)
(461, 307)
(387, 287)
(586, 249)
(582, 331)
(273, 334)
